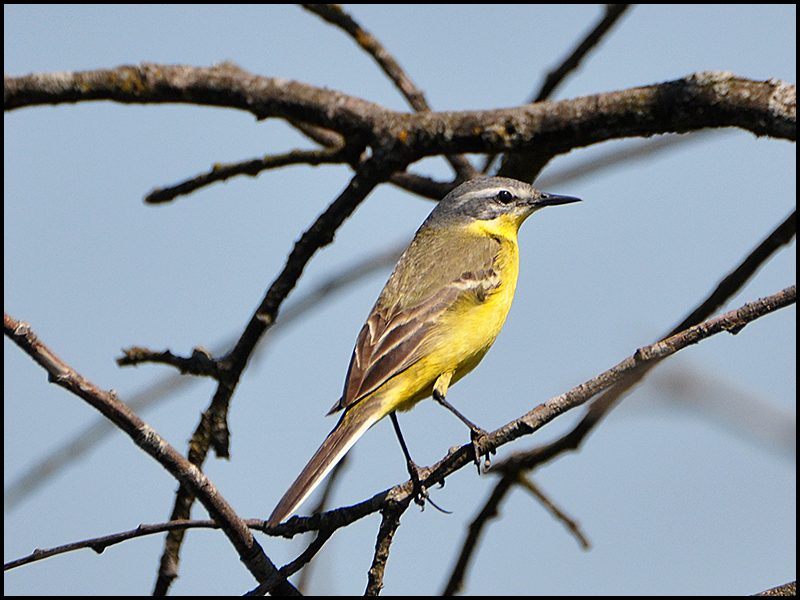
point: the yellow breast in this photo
(467, 330)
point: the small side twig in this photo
(252, 167)
(334, 14)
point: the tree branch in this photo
(709, 99)
(148, 440)
(731, 322)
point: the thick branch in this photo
(710, 99)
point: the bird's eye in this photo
(505, 197)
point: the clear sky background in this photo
(678, 495)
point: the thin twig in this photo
(334, 14)
(253, 168)
(555, 77)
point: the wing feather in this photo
(393, 337)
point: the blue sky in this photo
(677, 497)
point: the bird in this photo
(439, 313)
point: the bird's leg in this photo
(476, 433)
(420, 493)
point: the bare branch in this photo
(148, 440)
(710, 99)
(613, 12)
(732, 322)
(390, 522)
(253, 167)
(334, 14)
(99, 544)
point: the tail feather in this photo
(351, 426)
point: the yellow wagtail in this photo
(436, 318)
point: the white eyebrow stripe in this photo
(484, 193)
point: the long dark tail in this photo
(351, 426)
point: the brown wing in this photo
(392, 338)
